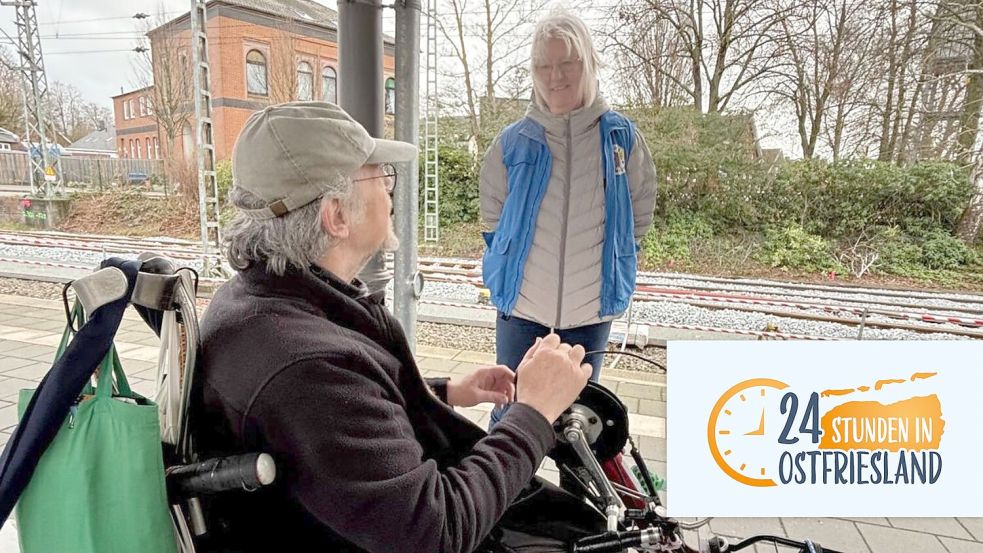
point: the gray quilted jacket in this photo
(561, 285)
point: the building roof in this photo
(298, 10)
(97, 140)
(301, 11)
(134, 91)
(7, 136)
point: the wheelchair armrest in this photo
(238, 472)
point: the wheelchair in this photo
(607, 500)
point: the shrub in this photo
(458, 176)
(672, 239)
(223, 178)
(791, 247)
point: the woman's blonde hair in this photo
(561, 24)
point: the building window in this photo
(156, 148)
(329, 85)
(149, 156)
(391, 95)
(143, 106)
(256, 73)
(122, 147)
(150, 106)
(4, 146)
(139, 150)
(126, 109)
(305, 81)
(133, 150)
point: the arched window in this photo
(149, 150)
(256, 82)
(305, 81)
(329, 85)
(390, 95)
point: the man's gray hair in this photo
(296, 239)
(563, 25)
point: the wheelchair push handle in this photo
(238, 472)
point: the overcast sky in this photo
(89, 44)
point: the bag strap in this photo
(110, 367)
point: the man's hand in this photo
(486, 385)
(551, 376)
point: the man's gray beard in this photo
(392, 242)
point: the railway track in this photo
(921, 311)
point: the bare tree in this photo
(11, 95)
(69, 113)
(489, 42)
(283, 76)
(814, 40)
(728, 45)
(167, 67)
(969, 17)
(650, 61)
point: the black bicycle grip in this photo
(239, 472)
(610, 542)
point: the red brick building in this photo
(260, 52)
(136, 127)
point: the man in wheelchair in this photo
(300, 362)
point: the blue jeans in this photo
(514, 337)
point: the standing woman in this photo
(567, 193)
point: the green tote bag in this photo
(99, 487)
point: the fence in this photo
(81, 172)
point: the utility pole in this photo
(208, 204)
(407, 282)
(45, 174)
(360, 54)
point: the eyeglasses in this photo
(388, 173)
(566, 67)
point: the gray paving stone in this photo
(631, 404)
(841, 535)
(961, 546)
(652, 407)
(34, 371)
(652, 448)
(975, 527)
(938, 526)
(12, 386)
(743, 527)
(610, 384)
(8, 364)
(446, 365)
(42, 324)
(8, 416)
(895, 540)
(31, 351)
(134, 366)
(880, 521)
(143, 387)
(7, 345)
(633, 389)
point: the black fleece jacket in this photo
(314, 372)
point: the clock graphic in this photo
(740, 434)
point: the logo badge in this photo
(619, 160)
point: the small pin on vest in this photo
(619, 160)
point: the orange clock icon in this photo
(738, 431)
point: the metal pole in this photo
(361, 90)
(408, 282)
